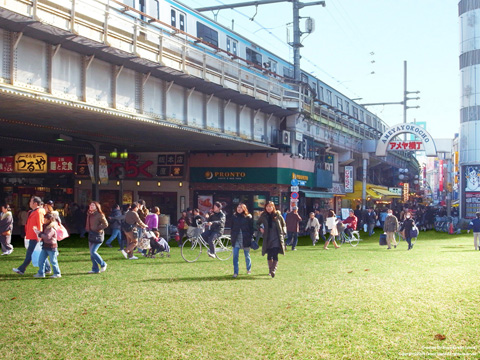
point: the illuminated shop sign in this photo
(31, 163)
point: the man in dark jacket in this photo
(293, 227)
(115, 221)
(216, 222)
(370, 220)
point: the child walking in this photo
(49, 247)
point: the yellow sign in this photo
(32, 163)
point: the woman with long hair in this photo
(272, 225)
(6, 227)
(96, 223)
(241, 235)
(331, 224)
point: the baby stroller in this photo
(156, 245)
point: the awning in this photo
(386, 192)
(317, 194)
(372, 194)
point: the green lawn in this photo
(351, 303)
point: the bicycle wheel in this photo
(191, 250)
(223, 248)
(354, 239)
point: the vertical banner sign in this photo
(6, 164)
(91, 166)
(440, 178)
(349, 179)
(103, 170)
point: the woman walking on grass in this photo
(272, 225)
(96, 223)
(241, 235)
(332, 226)
(313, 227)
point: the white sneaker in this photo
(124, 253)
(38, 276)
(18, 271)
(103, 268)
(133, 258)
(55, 276)
(211, 255)
(92, 272)
(5, 253)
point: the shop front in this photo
(157, 178)
(253, 182)
(47, 176)
(376, 196)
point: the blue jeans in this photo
(248, 261)
(52, 254)
(115, 234)
(292, 238)
(96, 259)
(28, 257)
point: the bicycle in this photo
(192, 247)
(353, 241)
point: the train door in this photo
(232, 46)
(178, 19)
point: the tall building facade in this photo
(469, 149)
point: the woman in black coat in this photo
(407, 226)
(241, 235)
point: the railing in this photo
(108, 22)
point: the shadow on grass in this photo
(209, 278)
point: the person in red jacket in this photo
(351, 222)
(34, 221)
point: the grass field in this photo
(351, 303)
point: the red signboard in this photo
(60, 164)
(6, 164)
(405, 145)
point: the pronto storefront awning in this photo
(317, 194)
(386, 192)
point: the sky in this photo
(359, 48)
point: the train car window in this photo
(232, 45)
(320, 93)
(173, 18)
(339, 103)
(287, 72)
(369, 120)
(181, 20)
(254, 57)
(272, 65)
(329, 97)
(347, 107)
(362, 118)
(130, 3)
(207, 34)
(153, 8)
(355, 112)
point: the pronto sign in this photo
(418, 131)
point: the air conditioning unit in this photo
(286, 138)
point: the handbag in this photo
(254, 245)
(383, 240)
(62, 233)
(414, 232)
(96, 237)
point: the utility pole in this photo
(406, 98)
(297, 33)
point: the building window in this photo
(207, 34)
